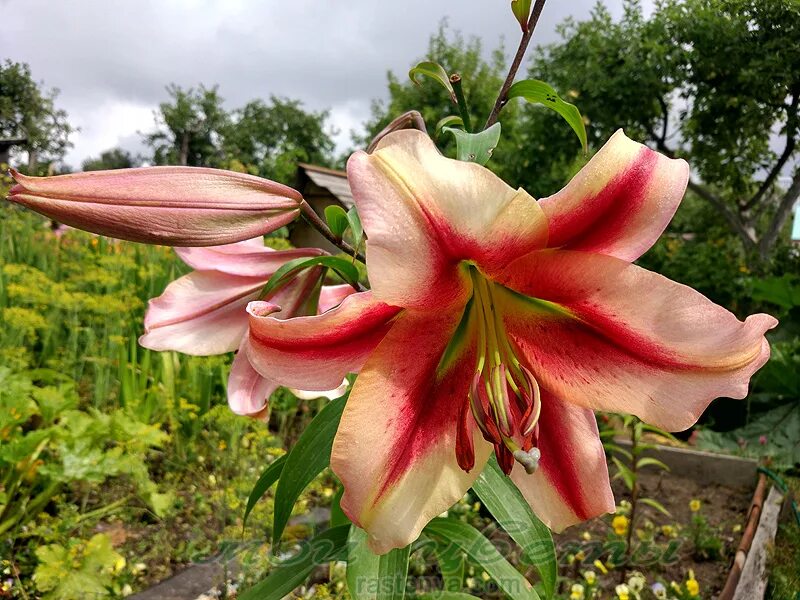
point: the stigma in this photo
(504, 398)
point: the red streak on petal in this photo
(557, 462)
(596, 221)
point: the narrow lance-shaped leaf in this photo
(522, 11)
(436, 72)
(476, 147)
(355, 226)
(373, 577)
(515, 516)
(482, 552)
(451, 564)
(538, 92)
(309, 456)
(337, 219)
(328, 546)
(448, 121)
(270, 475)
(282, 276)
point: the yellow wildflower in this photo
(694, 505)
(600, 567)
(623, 592)
(590, 577)
(620, 524)
(576, 592)
(692, 586)
(668, 530)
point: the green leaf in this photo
(290, 269)
(483, 553)
(655, 504)
(643, 462)
(452, 565)
(373, 577)
(270, 475)
(522, 11)
(337, 219)
(657, 431)
(328, 546)
(617, 448)
(507, 505)
(475, 147)
(624, 472)
(310, 455)
(436, 72)
(337, 514)
(355, 226)
(538, 92)
(443, 595)
(448, 121)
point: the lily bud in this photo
(175, 206)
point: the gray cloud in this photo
(111, 59)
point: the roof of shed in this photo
(332, 180)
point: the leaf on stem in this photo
(538, 92)
(270, 475)
(514, 514)
(522, 11)
(475, 147)
(309, 456)
(448, 121)
(435, 71)
(337, 219)
(327, 546)
(373, 577)
(290, 269)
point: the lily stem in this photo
(313, 219)
(502, 98)
(455, 81)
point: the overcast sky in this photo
(112, 59)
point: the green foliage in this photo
(372, 577)
(82, 568)
(116, 158)
(704, 79)
(28, 113)
(475, 147)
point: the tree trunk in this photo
(184, 157)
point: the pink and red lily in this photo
(499, 323)
(203, 313)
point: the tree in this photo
(482, 80)
(116, 158)
(270, 139)
(707, 80)
(29, 118)
(189, 128)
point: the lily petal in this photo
(177, 206)
(394, 450)
(619, 203)
(331, 296)
(250, 258)
(248, 391)
(204, 313)
(316, 352)
(424, 213)
(571, 484)
(608, 335)
(329, 394)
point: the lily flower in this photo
(176, 206)
(204, 312)
(499, 323)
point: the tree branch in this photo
(512, 72)
(733, 219)
(779, 218)
(791, 123)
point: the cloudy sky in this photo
(111, 59)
